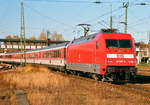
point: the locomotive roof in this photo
(91, 37)
(84, 38)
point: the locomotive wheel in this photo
(95, 77)
(103, 78)
(77, 73)
(106, 79)
(73, 72)
(65, 71)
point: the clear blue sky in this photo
(63, 16)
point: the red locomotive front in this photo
(107, 55)
(120, 61)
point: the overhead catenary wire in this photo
(47, 17)
(83, 1)
(60, 1)
(72, 1)
(105, 14)
(104, 23)
(139, 21)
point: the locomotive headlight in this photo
(109, 61)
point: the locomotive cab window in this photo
(125, 44)
(118, 43)
(111, 43)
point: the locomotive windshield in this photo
(118, 43)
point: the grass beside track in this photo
(45, 87)
(7, 94)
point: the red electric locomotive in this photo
(107, 55)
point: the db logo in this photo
(120, 56)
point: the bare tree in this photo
(32, 38)
(8, 37)
(56, 36)
(15, 37)
(42, 36)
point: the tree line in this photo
(54, 37)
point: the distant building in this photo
(142, 52)
(13, 45)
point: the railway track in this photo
(131, 91)
(4, 66)
(146, 70)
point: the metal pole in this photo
(111, 16)
(48, 38)
(126, 13)
(21, 35)
(23, 30)
(126, 5)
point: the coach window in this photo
(20, 55)
(58, 53)
(9, 56)
(55, 54)
(45, 55)
(50, 54)
(36, 55)
(27, 55)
